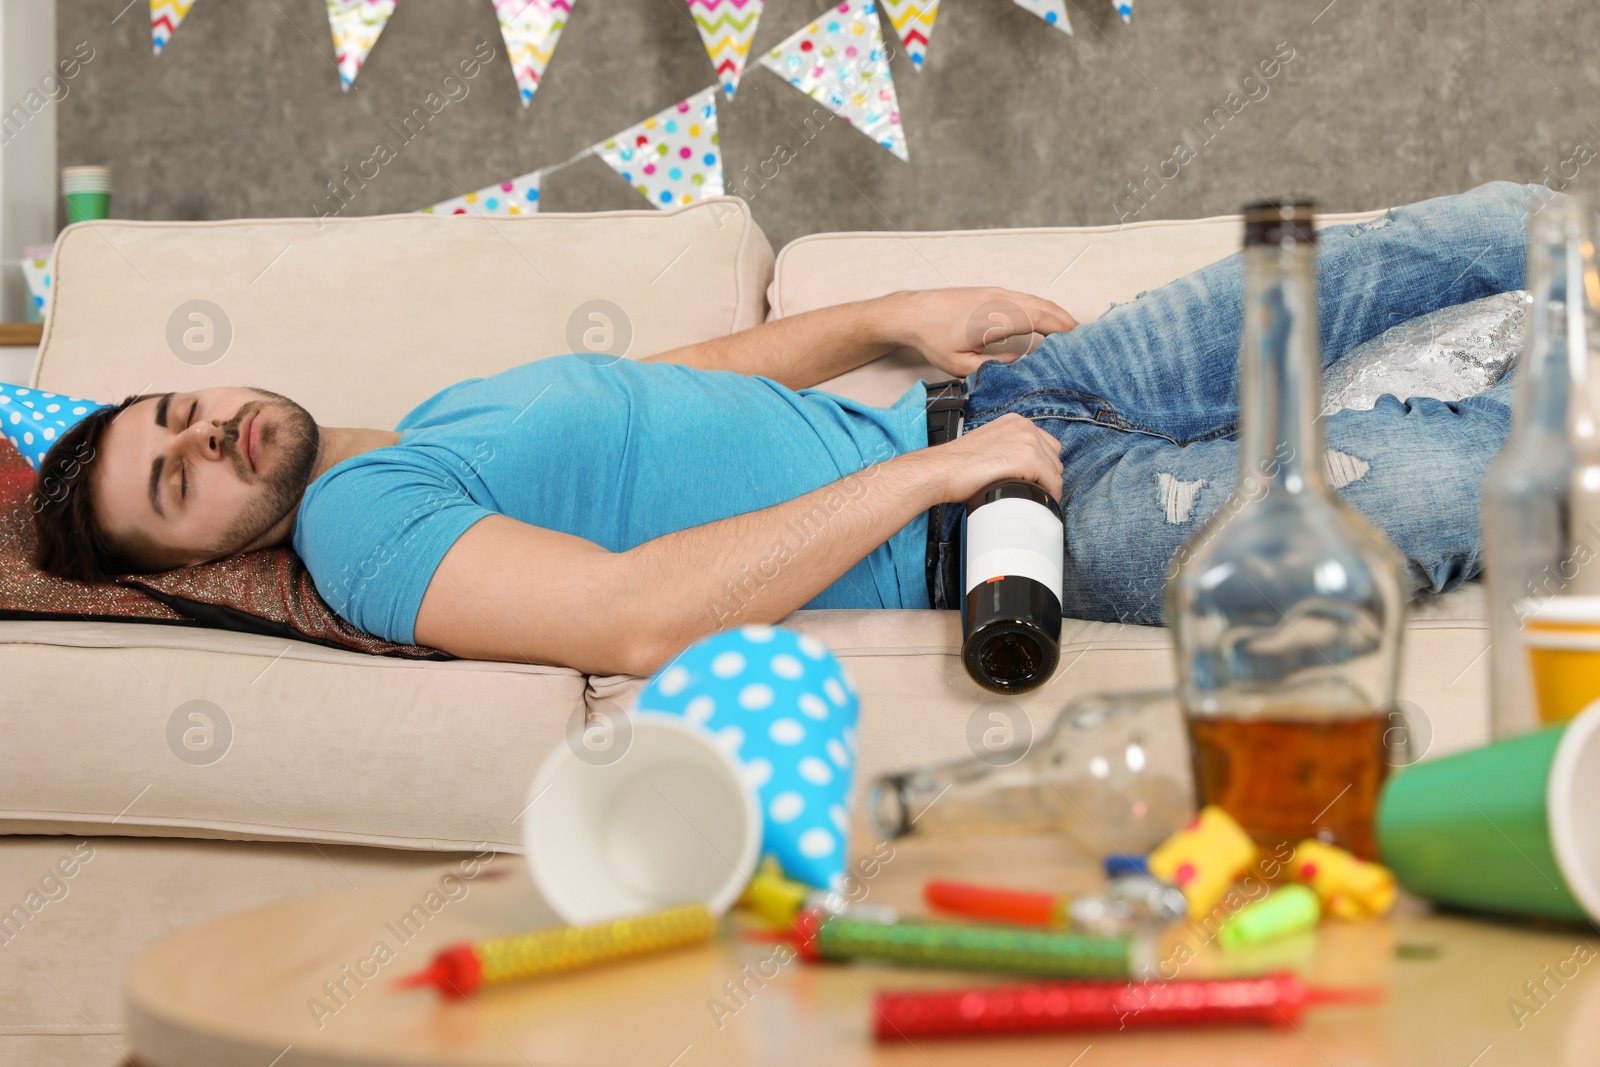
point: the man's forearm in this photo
(802, 350)
(763, 565)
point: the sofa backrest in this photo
(1084, 269)
(360, 319)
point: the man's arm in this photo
(802, 350)
(510, 591)
(954, 329)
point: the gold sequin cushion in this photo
(267, 592)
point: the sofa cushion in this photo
(131, 728)
(360, 319)
(1085, 269)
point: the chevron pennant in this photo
(531, 29)
(672, 157)
(840, 63)
(164, 18)
(913, 24)
(1052, 11)
(356, 25)
(518, 196)
(727, 27)
(1124, 8)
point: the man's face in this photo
(188, 477)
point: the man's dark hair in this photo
(71, 543)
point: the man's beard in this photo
(293, 441)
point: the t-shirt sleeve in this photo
(373, 530)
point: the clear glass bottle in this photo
(1286, 606)
(1537, 496)
(1111, 774)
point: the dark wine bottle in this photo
(1012, 545)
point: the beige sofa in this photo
(337, 767)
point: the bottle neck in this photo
(1280, 367)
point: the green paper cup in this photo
(87, 191)
(1510, 827)
(85, 207)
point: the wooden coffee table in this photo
(305, 982)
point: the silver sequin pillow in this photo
(1450, 353)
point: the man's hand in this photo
(1009, 447)
(957, 329)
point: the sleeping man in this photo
(602, 514)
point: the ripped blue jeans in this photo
(1144, 401)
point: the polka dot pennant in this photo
(781, 703)
(727, 27)
(1052, 11)
(515, 196)
(671, 158)
(356, 25)
(1124, 8)
(913, 24)
(32, 419)
(531, 29)
(839, 62)
(36, 272)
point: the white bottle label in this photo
(1014, 536)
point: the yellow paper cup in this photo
(1562, 639)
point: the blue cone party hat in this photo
(32, 419)
(778, 701)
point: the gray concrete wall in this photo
(1011, 123)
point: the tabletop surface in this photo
(308, 981)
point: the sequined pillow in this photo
(267, 592)
(1451, 353)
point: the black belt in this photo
(947, 409)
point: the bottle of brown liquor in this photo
(1286, 607)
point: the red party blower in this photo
(1042, 1007)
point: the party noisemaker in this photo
(1043, 1007)
(461, 970)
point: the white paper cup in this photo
(670, 822)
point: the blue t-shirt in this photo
(611, 450)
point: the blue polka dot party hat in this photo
(32, 419)
(780, 702)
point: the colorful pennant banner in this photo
(1124, 8)
(913, 24)
(518, 196)
(356, 25)
(1052, 11)
(727, 28)
(672, 157)
(840, 63)
(531, 29)
(164, 18)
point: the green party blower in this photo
(1509, 827)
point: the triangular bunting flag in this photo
(519, 196)
(727, 26)
(531, 29)
(1052, 11)
(164, 18)
(671, 158)
(913, 24)
(1124, 8)
(839, 62)
(356, 25)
